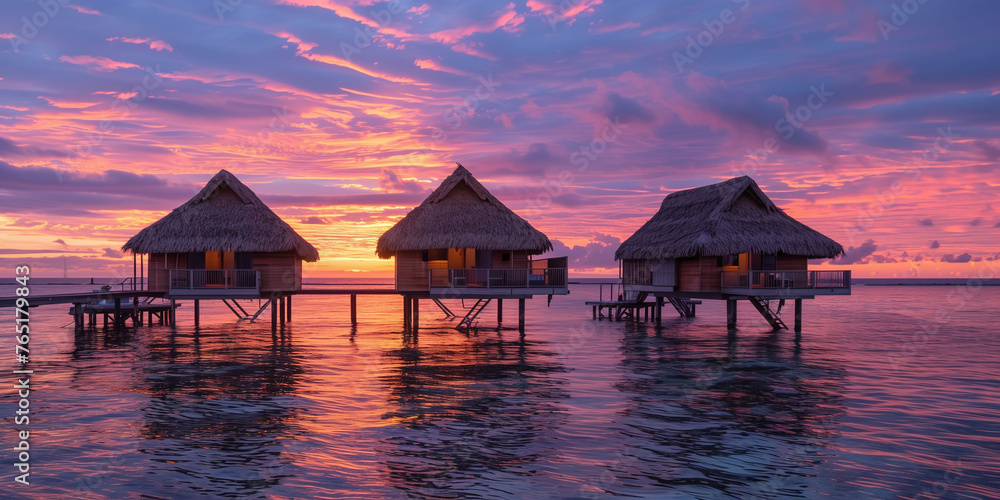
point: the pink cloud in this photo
(156, 45)
(617, 27)
(888, 72)
(98, 63)
(563, 11)
(507, 19)
(302, 46)
(435, 66)
(420, 10)
(159, 45)
(83, 10)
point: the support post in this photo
(118, 313)
(289, 312)
(77, 318)
(281, 312)
(354, 309)
(416, 314)
(499, 311)
(406, 313)
(173, 312)
(274, 314)
(197, 312)
(798, 315)
(659, 309)
(520, 315)
(731, 314)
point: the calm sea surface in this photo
(892, 392)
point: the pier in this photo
(136, 306)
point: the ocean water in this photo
(891, 392)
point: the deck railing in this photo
(786, 279)
(213, 279)
(548, 277)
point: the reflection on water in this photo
(573, 409)
(713, 418)
(219, 409)
(469, 416)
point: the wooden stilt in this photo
(77, 317)
(281, 312)
(354, 309)
(798, 315)
(520, 315)
(197, 313)
(499, 311)
(172, 317)
(118, 314)
(416, 314)
(274, 314)
(289, 313)
(659, 309)
(731, 314)
(406, 313)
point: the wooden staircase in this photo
(624, 309)
(763, 306)
(471, 315)
(447, 312)
(685, 307)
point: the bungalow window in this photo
(768, 262)
(729, 260)
(196, 260)
(505, 257)
(244, 260)
(435, 254)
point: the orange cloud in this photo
(344, 63)
(302, 46)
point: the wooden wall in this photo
(518, 259)
(792, 262)
(699, 274)
(689, 274)
(279, 271)
(158, 268)
(711, 274)
(411, 271)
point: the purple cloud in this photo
(960, 259)
(855, 255)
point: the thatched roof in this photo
(224, 216)
(727, 218)
(461, 213)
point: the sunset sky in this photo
(874, 122)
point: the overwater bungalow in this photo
(462, 242)
(224, 243)
(728, 241)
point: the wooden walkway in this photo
(619, 309)
(118, 307)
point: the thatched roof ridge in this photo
(224, 216)
(725, 218)
(461, 213)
